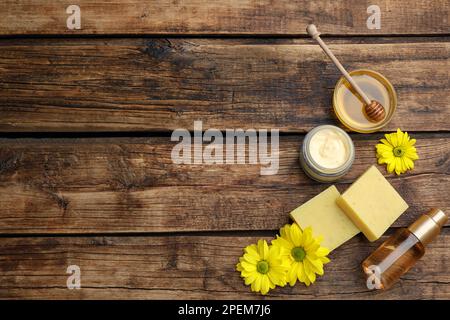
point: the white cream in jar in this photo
(329, 148)
(327, 153)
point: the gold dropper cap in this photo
(429, 225)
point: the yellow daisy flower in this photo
(303, 252)
(397, 151)
(262, 267)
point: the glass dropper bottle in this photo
(402, 250)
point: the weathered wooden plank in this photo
(162, 84)
(342, 17)
(187, 267)
(131, 185)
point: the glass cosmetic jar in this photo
(327, 153)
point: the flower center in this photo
(399, 151)
(262, 267)
(298, 253)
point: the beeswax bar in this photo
(326, 219)
(372, 203)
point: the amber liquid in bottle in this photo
(402, 250)
(393, 258)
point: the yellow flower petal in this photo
(412, 154)
(264, 284)
(324, 260)
(312, 277)
(271, 285)
(384, 148)
(276, 277)
(301, 273)
(248, 266)
(304, 275)
(386, 154)
(399, 137)
(296, 235)
(273, 253)
(386, 142)
(263, 249)
(246, 274)
(282, 243)
(252, 258)
(316, 264)
(406, 135)
(256, 285)
(406, 164)
(391, 167)
(292, 275)
(250, 279)
(322, 252)
(253, 250)
(306, 267)
(285, 234)
(312, 246)
(392, 139)
(308, 239)
(319, 239)
(399, 165)
(385, 160)
(409, 163)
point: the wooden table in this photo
(86, 116)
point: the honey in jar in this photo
(349, 106)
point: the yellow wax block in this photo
(326, 219)
(372, 203)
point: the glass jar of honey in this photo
(349, 106)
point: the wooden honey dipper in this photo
(373, 110)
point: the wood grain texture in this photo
(164, 84)
(193, 267)
(64, 201)
(340, 17)
(131, 185)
